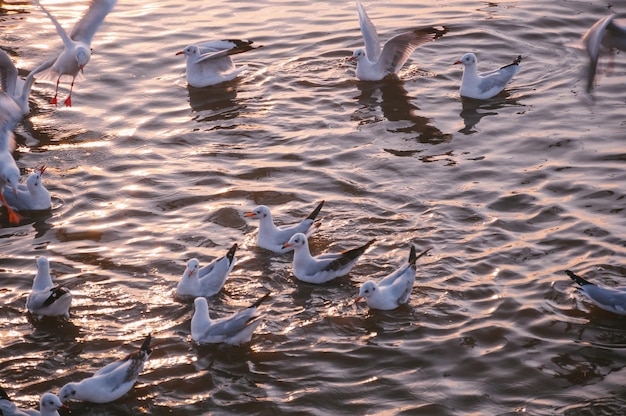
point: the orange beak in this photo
(286, 245)
(249, 214)
(457, 62)
(358, 298)
(179, 53)
(350, 59)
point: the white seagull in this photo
(110, 382)
(15, 87)
(235, 329)
(208, 280)
(46, 299)
(9, 172)
(375, 63)
(325, 267)
(77, 52)
(612, 300)
(49, 404)
(30, 197)
(487, 84)
(209, 63)
(273, 238)
(395, 289)
(604, 34)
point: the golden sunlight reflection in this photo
(81, 145)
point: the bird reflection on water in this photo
(395, 103)
(217, 102)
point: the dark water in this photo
(146, 173)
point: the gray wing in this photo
(608, 299)
(604, 32)
(347, 257)
(370, 35)
(593, 43)
(398, 49)
(86, 28)
(67, 41)
(8, 73)
(231, 326)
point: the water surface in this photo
(146, 173)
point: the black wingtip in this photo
(55, 293)
(515, 62)
(146, 344)
(437, 32)
(231, 253)
(4, 395)
(316, 211)
(578, 279)
(413, 256)
(261, 300)
(369, 243)
(242, 46)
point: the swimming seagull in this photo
(110, 382)
(210, 279)
(11, 83)
(46, 299)
(271, 237)
(375, 63)
(209, 63)
(9, 172)
(71, 62)
(30, 197)
(612, 300)
(604, 34)
(395, 289)
(487, 84)
(49, 404)
(325, 267)
(234, 330)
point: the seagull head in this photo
(259, 212)
(83, 54)
(357, 55)
(366, 290)
(467, 59)
(68, 392)
(193, 266)
(191, 50)
(34, 180)
(296, 240)
(50, 403)
(12, 178)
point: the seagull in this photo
(374, 63)
(325, 267)
(395, 289)
(77, 52)
(234, 330)
(9, 172)
(273, 238)
(209, 280)
(110, 382)
(487, 84)
(607, 34)
(30, 197)
(612, 300)
(209, 63)
(10, 83)
(49, 404)
(46, 299)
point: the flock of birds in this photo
(210, 63)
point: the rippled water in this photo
(146, 173)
